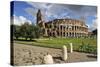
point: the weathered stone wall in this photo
(67, 28)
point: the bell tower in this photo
(40, 22)
(39, 17)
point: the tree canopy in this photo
(26, 31)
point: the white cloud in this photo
(56, 10)
(88, 25)
(94, 25)
(48, 10)
(19, 20)
(31, 11)
(16, 20)
(40, 5)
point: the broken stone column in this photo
(71, 48)
(64, 50)
(48, 59)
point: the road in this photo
(33, 55)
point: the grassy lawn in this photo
(59, 42)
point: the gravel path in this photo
(33, 55)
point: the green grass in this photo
(59, 42)
(68, 40)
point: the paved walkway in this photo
(32, 55)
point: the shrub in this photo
(87, 48)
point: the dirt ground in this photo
(33, 55)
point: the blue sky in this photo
(26, 12)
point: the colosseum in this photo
(62, 27)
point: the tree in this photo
(16, 31)
(25, 30)
(37, 31)
(94, 32)
(29, 31)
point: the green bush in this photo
(87, 48)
